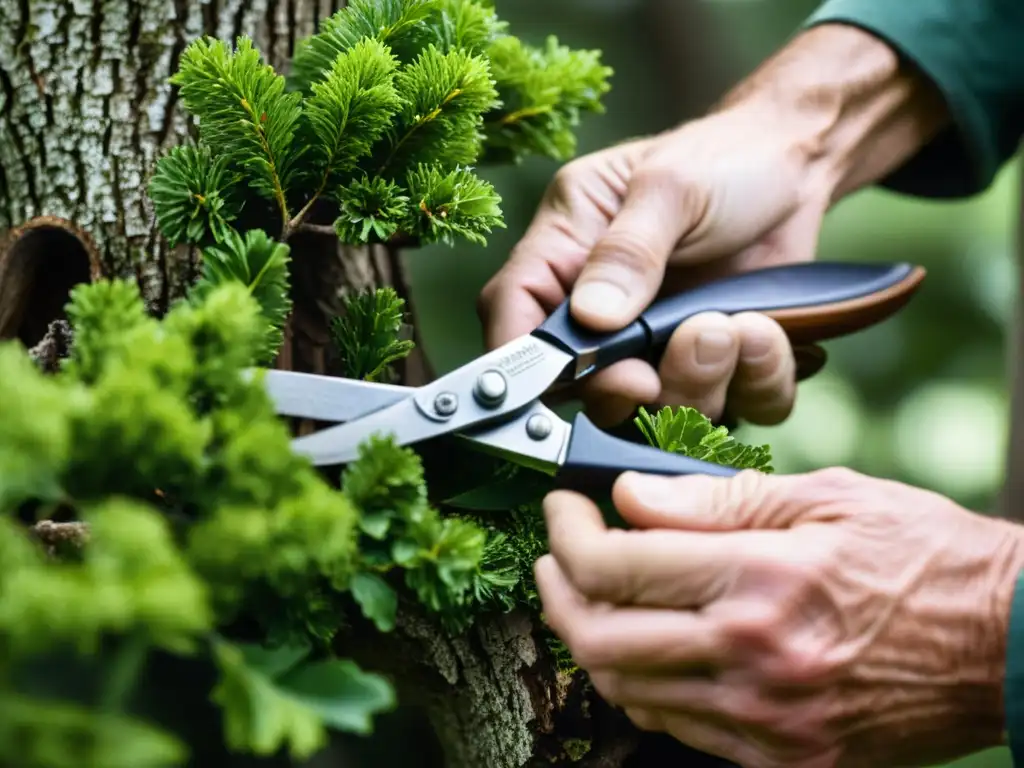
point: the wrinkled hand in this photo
(719, 195)
(806, 621)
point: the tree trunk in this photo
(85, 111)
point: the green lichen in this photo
(576, 749)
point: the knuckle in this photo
(629, 249)
(830, 483)
(759, 323)
(566, 178)
(802, 665)
(588, 650)
(669, 179)
(745, 490)
(590, 582)
(760, 627)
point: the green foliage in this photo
(202, 522)
(276, 697)
(452, 205)
(245, 113)
(371, 210)
(194, 195)
(42, 733)
(447, 562)
(385, 112)
(209, 539)
(400, 24)
(36, 435)
(444, 97)
(543, 92)
(368, 335)
(260, 264)
(349, 110)
(691, 433)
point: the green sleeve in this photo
(1013, 686)
(973, 50)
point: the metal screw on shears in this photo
(491, 389)
(538, 427)
(446, 403)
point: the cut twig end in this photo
(58, 537)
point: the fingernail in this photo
(712, 347)
(757, 347)
(599, 298)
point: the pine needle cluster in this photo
(380, 123)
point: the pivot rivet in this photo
(538, 426)
(446, 403)
(491, 388)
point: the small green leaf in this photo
(375, 524)
(689, 432)
(377, 599)
(275, 661)
(341, 694)
(272, 699)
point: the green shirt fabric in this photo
(973, 50)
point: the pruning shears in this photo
(494, 402)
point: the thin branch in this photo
(317, 229)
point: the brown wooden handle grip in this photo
(810, 325)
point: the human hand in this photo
(727, 193)
(807, 621)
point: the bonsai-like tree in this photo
(175, 583)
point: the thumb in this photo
(749, 500)
(625, 269)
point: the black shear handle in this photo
(594, 459)
(813, 302)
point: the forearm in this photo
(855, 111)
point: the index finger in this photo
(649, 567)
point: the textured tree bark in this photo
(85, 111)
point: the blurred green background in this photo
(921, 398)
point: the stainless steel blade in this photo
(328, 398)
(490, 388)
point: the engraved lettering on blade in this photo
(523, 359)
